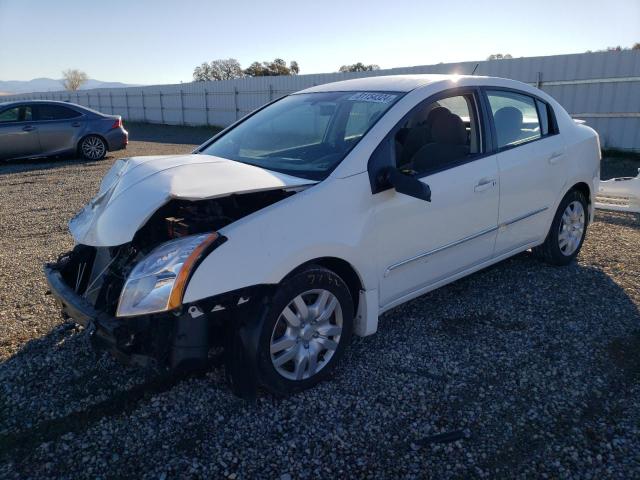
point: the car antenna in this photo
(475, 68)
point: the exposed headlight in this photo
(158, 281)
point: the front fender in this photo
(330, 220)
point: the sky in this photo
(161, 41)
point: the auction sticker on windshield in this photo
(373, 97)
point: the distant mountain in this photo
(50, 85)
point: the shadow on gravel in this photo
(622, 219)
(67, 387)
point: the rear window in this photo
(56, 112)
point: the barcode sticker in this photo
(373, 97)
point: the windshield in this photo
(306, 135)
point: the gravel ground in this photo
(521, 370)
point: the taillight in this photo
(117, 123)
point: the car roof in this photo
(54, 102)
(407, 83)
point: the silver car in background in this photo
(39, 128)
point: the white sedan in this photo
(300, 224)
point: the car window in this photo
(56, 112)
(543, 115)
(305, 134)
(361, 116)
(304, 124)
(20, 113)
(438, 134)
(515, 118)
(10, 115)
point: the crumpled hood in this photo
(135, 188)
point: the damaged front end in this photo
(130, 296)
(87, 283)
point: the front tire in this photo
(92, 147)
(306, 331)
(567, 232)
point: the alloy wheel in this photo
(93, 148)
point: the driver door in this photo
(423, 244)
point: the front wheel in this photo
(568, 229)
(305, 334)
(93, 147)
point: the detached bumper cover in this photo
(106, 332)
(619, 194)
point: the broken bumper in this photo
(619, 194)
(106, 332)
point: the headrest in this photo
(435, 115)
(449, 130)
(508, 121)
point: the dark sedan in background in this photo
(39, 128)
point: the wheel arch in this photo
(585, 190)
(340, 267)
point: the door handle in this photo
(75, 124)
(28, 128)
(484, 184)
(555, 157)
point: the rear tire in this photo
(305, 333)
(567, 232)
(92, 147)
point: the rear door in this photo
(59, 127)
(18, 133)
(531, 166)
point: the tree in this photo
(254, 70)
(221, 69)
(499, 56)
(635, 46)
(73, 79)
(359, 67)
(271, 69)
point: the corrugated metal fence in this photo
(602, 88)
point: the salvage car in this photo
(300, 224)
(45, 128)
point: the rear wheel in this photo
(305, 334)
(92, 147)
(569, 227)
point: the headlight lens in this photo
(157, 282)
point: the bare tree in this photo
(73, 79)
(359, 67)
(221, 69)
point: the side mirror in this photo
(407, 184)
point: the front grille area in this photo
(98, 273)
